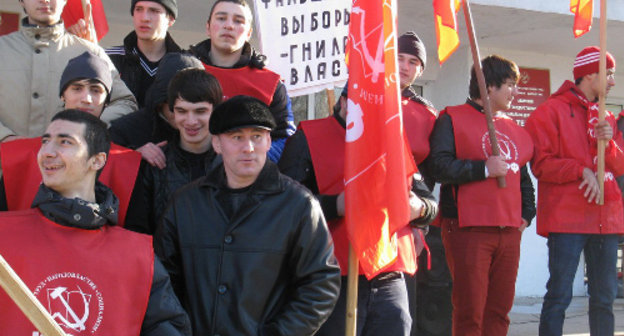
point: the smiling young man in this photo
(138, 58)
(565, 130)
(85, 85)
(41, 49)
(192, 95)
(481, 223)
(91, 275)
(242, 227)
(228, 55)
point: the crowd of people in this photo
(152, 190)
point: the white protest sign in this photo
(305, 41)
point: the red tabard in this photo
(418, 121)
(258, 83)
(326, 140)
(483, 203)
(92, 282)
(22, 176)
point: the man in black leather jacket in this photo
(247, 248)
(92, 274)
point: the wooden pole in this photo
(86, 12)
(602, 76)
(487, 109)
(331, 99)
(352, 294)
(27, 302)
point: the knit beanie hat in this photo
(587, 61)
(240, 112)
(86, 66)
(170, 5)
(410, 43)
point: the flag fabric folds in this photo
(377, 164)
(583, 14)
(73, 12)
(444, 16)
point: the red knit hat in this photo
(587, 60)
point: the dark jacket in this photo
(451, 172)
(269, 270)
(164, 315)
(134, 68)
(280, 104)
(159, 184)
(296, 162)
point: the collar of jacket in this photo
(249, 56)
(269, 180)
(42, 34)
(409, 92)
(179, 154)
(77, 212)
(130, 43)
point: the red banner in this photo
(377, 161)
(583, 14)
(9, 22)
(445, 18)
(73, 12)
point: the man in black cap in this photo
(138, 58)
(247, 248)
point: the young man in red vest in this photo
(565, 130)
(227, 55)
(93, 277)
(481, 223)
(314, 156)
(86, 86)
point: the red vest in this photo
(258, 83)
(92, 282)
(22, 176)
(483, 203)
(326, 140)
(418, 121)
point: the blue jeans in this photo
(382, 309)
(564, 251)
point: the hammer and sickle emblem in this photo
(78, 323)
(376, 64)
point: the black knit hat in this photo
(239, 112)
(86, 66)
(410, 43)
(170, 5)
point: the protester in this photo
(85, 85)
(138, 58)
(482, 223)
(192, 95)
(565, 130)
(90, 275)
(33, 59)
(314, 156)
(228, 55)
(149, 129)
(247, 248)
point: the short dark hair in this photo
(496, 70)
(95, 133)
(194, 85)
(238, 2)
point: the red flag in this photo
(73, 12)
(377, 161)
(444, 15)
(583, 14)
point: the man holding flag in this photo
(565, 130)
(33, 60)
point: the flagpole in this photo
(352, 293)
(487, 109)
(27, 302)
(602, 76)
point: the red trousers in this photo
(484, 263)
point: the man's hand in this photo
(82, 27)
(603, 130)
(496, 166)
(340, 205)
(590, 183)
(416, 206)
(524, 225)
(153, 154)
